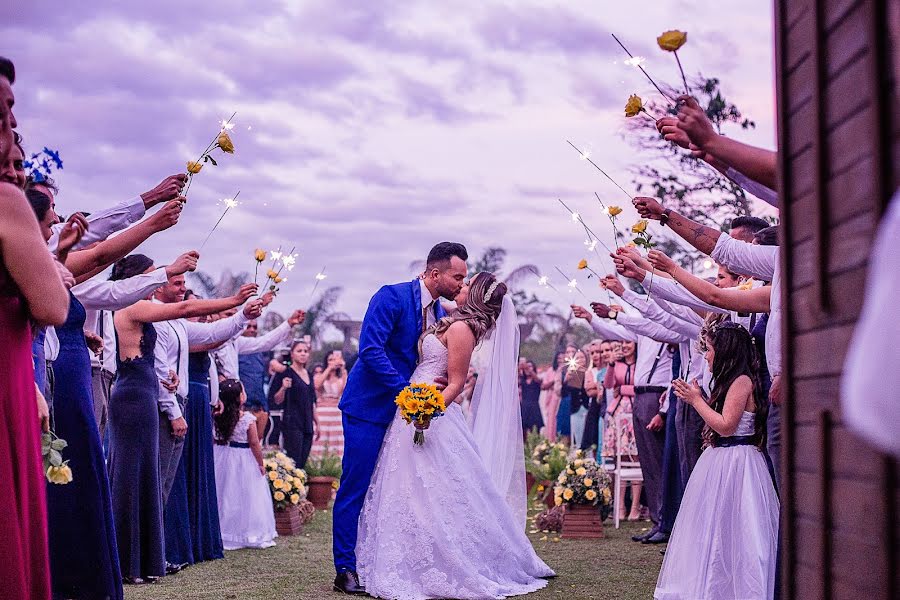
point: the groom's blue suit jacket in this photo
(388, 352)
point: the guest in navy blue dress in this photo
(84, 561)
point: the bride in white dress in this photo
(447, 519)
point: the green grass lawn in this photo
(300, 568)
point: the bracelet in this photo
(664, 218)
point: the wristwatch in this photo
(612, 314)
(664, 218)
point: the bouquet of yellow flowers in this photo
(287, 483)
(584, 481)
(419, 403)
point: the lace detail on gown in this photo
(433, 525)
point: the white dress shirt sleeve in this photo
(103, 294)
(654, 312)
(764, 193)
(647, 328)
(263, 343)
(746, 259)
(104, 223)
(671, 290)
(165, 355)
(207, 334)
(610, 330)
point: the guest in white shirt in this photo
(227, 354)
(652, 376)
(174, 341)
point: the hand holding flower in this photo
(660, 261)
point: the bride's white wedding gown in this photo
(433, 524)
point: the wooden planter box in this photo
(320, 490)
(582, 521)
(288, 521)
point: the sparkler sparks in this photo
(289, 261)
(596, 166)
(229, 204)
(635, 61)
(572, 364)
(320, 277)
(646, 74)
(226, 124)
(572, 282)
(591, 245)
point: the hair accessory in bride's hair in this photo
(491, 290)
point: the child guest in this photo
(245, 505)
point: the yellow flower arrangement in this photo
(672, 41)
(419, 403)
(584, 481)
(285, 480)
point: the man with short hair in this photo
(388, 352)
(745, 227)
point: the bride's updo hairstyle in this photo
(481, 308)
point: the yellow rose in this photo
(277, 279)
(570, 471)
(579, 462)
(279, 496)
(639, 227)
(670, 41)
(580, 471)
(634, 106)
(588, 481)
(273, 475)
(259, 255)
(278, 484)
(567, 495)
(271, 274)
(295, 498)
(590, 494)
(561, 478)
(614, 211)
(60, 475)
(225, 143)
(582, 265)
(194, 167)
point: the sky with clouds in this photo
(365, 131)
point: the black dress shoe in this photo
(643, 536)
(657, 538)
(348, 583)
(172, 568)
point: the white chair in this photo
(623, 471)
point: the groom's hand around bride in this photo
(440, 383)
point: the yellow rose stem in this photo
(588, 158)
(646, 74)
(227, 208)
(316, 285)
(612, 220)
(272, 268)
(687, 90)
(567, 278)
(209, 149)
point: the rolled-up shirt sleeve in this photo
(746, 259)
(101, 294)
(671, 290)
(104, 223)
(612, 331)
(764, 193)
(263, 343)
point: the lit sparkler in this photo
(573, 283)
(320, 277)
(596, 166)
(638, 61)
(226, 145)
(229, 204)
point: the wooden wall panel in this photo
(839, 162)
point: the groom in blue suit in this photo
(388, 353)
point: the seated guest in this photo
(724, 541)
(245, 504)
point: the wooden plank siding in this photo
(839, 164)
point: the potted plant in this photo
(545, 463)
(583, 487)
(287, 484)
(324, 473)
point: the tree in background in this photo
(684, 183)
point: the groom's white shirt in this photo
(427, 303)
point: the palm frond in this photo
(521, 274)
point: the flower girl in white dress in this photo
(246, 516)
(724, 541)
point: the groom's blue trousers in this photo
(362, 443)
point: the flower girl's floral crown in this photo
(491, 290)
